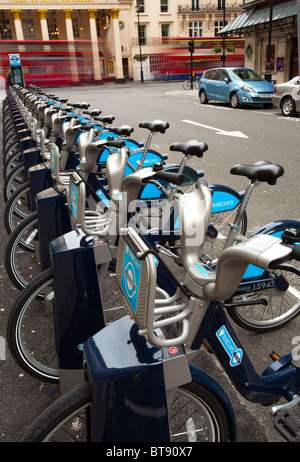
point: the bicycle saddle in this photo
(260, 171)
(79, 105)
(155, 126)
(124, 130)
(93, 112)
(105, 119)
(193, 148)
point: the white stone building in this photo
(112, 32)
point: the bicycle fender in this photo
(151, 191)
(225, 198)
(275, 228)
(203, 378)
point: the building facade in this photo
(113, 33)
(271, 48)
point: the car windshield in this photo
(247, 75)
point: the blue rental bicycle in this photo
(139, 386)
(35, 305)
(20, 253)
(29, 306)
(64, 129)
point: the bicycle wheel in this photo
(187, 85)
(218, 231)
(11, 161)
(21, 253)
(276, 309)
(196, 415)
(31, 328)
(216, 235)
(17, 207)
(13, 181)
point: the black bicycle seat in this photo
(155, 126)
(124, 130)
(260, 171)
(105, 119)
(93, 112)
(193, 148)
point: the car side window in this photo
(214, 74)
(223, 75)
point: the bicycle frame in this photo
(113, 376)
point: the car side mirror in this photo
(226, 80)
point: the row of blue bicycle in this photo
(126, 265)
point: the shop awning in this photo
(256, 16)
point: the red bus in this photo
(174, 62)
(49, 63)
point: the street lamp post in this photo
(224, 16)
(138, 9)
(268, 75)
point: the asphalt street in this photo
(22, 397)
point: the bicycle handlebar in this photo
(170, 177)
(284, 265)
(295, 255)
(112, 143)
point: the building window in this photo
(165, 30)
(5, 30)
(52, 26)
(141, 4)
(221, 4)
(249, 51)
(28, 29)
(98, 27)
(76, 27)
(195, 5)
(142, 34)
(195, 29)
(219, 25)
(164, 6)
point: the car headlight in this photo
(248, 89)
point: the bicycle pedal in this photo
(274, 356)
(288, 425)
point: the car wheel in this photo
(234, 101)
(288, 107)
(203, 97)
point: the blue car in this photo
(235, 85)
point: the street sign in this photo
(16, 69)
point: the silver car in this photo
(287, 97)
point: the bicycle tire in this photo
(17, 207)
(13, 180)
(32, 320)
(20, 257)
(281, 306)
(10, 140)
(187, 85)
(10, 148)
(66, 411)
(12, 161)
(32, 313)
